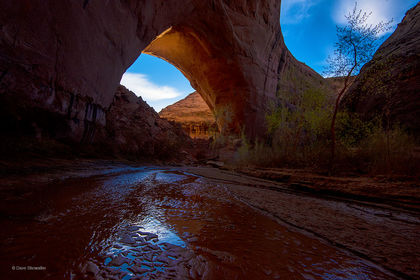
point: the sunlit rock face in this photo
(391, 81)
(193, 114)
(66, 58)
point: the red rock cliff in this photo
(193, 114)
(66, 58)
(391, 80)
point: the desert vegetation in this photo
(299, 136)
(315, 130)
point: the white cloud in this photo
(288, 4)
(382, 10)
(141, 86)
(294, 11)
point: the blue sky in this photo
(309, 32)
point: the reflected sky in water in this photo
(162, 223)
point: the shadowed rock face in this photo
(391, 81)
(133, 129)
(66, 58)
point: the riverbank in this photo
(358, 215)
(398, 191)
(376, 219)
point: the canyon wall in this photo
(388, 86)
(61, 61)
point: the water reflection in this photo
(156, 223)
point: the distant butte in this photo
(193, 114)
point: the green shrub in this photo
(389, 151)
(351, 130)
(299, 136)
(298, 128)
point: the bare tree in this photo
(356, 45)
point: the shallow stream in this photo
(158, 223)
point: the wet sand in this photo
(382, 233)
(168, 223)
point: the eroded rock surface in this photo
(391, 81)
(133, 128)
(65, 58)
(193, 114)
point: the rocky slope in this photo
(193, 114)
(135, 130)
(63, 60)
(132, 130)
(390, 83)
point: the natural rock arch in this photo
(216, 78)
(67, 57)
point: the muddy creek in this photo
(160, 223)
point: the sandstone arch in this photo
(215, 77)
(67, 57)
